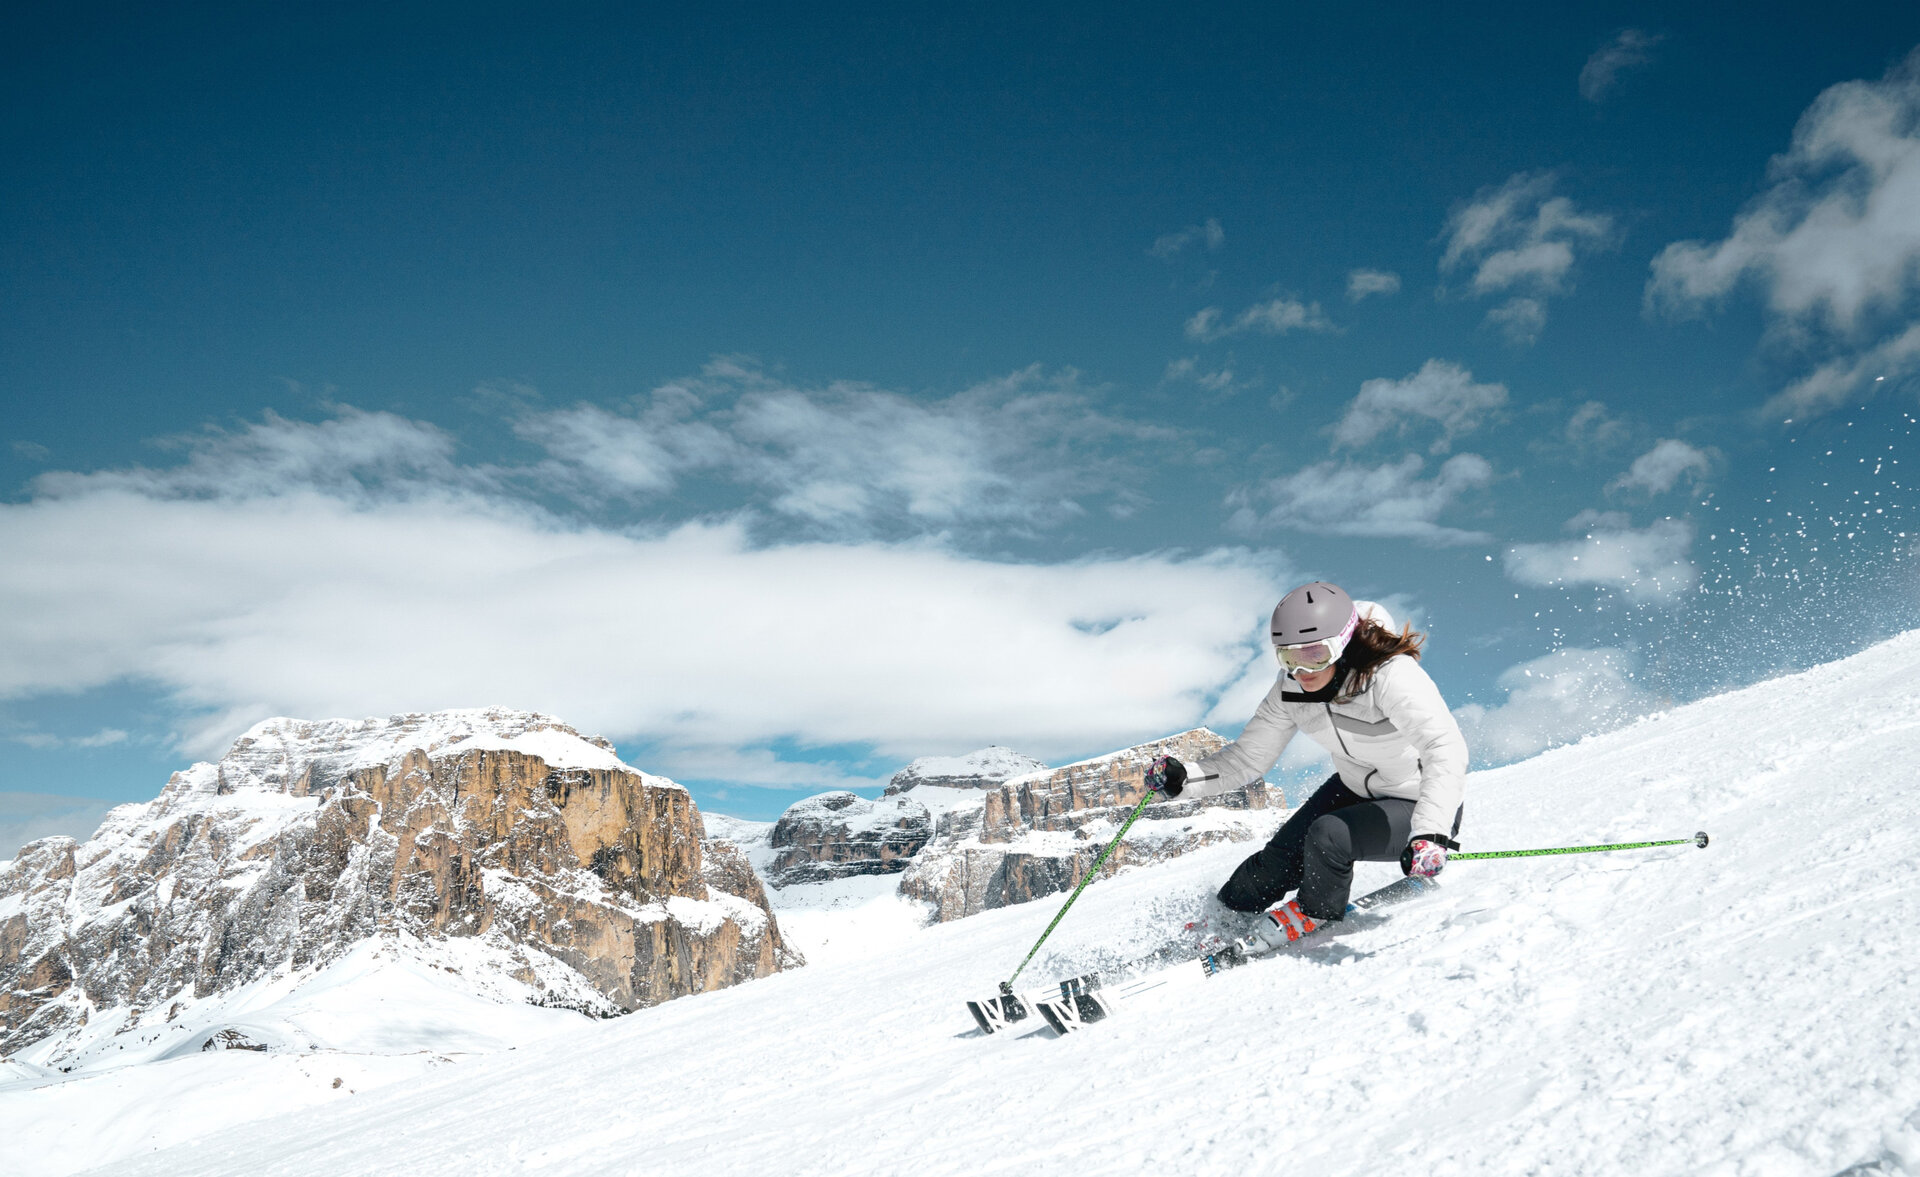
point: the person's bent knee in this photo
(1330, 835)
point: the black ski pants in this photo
(1316, 849)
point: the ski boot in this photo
(1277, 929)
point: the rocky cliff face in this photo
(588, 881)
(1039, 834)
(838, 835)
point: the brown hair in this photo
(1372, 644)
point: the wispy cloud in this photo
(1648, 564)
(1592, 428)
(1390, 500)
(1833, 244)
(1521, 241)
(1025, 451)
(1520, 320)
(1441, 393)
(1275, 316)
(1189, 370)
(1658, 470)
(353, 456)
(1361, 283)
(1833, 383)
(106, 737)
(1629, 49)
(1207, 235)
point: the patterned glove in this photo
(1166, 776)
(1425, 855)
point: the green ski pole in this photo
(1699, 839)
(1006, 986)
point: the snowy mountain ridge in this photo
(978, 769)
(272, 752)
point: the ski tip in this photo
(994, 1014)
(1700, 839)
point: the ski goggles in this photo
(1314, 657)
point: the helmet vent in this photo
(1309, 629)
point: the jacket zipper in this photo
(1349, 751)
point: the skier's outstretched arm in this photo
(1248, 758)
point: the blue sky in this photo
(785, 395)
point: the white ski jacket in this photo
(1395, 738)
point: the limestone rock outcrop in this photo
(588, 881)
(1038, 834)
(838, 835)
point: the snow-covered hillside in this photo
(1748, 1009)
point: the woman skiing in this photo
(1356, 687)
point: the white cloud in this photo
(1656, 471)
(600, 451)
(1630, 48)
(1440, 392)
(1649, 563)
(1521, 319)
(1187, 369)
(1171, 245)
(243, 583)
(1521, 240)
(1276, 316)
(1835, 382)
(1361, 283)
(851, 459)
(1386, 501)
(31, 451)
(1553, 700)
(1838, 233)
(1833, 244)
(1541, 263)
(104, 738)
(1592, 427)
(354, 456)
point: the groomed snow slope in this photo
(1748, 1009)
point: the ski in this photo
(996, 1013)
(1081, 1002)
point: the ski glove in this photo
(1166, 776)
(1425, 855)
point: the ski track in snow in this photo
(1750, 1010)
